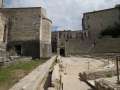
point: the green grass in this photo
(108, 75)
(13, 73)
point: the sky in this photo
(65, 14)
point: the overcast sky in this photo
(65, 13)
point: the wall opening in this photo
(62, 51)
(18, 49)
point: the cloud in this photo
(66, 13)
(24, 3)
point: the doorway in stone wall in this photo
(18, 49)
(62, 52)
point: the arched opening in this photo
(18, 49)
(62, 52)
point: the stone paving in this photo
(73, 66)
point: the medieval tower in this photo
(1, 3)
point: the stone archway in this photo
(62, 51)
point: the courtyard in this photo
(75, 65)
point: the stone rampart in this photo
(35, 80)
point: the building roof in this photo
(47, 19)
(7, 10)
(102, 10)
(24, 9)
(21, 8)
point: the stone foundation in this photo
(45, 50)
(107, 84)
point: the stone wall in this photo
(28, 48)
(45, 38)
(76, 47)
(26, 31)
(36, 79)
(97, 21)
(1, 3)
(73, 42)
(2, 23)
(23, 31)
(23, 24)
(107, 84)
(107, 45)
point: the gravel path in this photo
(72, 67)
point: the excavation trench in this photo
(54, 79)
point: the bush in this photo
(111, 31)
(109, 75)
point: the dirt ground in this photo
(73, 66)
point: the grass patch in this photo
(108, 75)
(13, 73)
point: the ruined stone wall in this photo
(54, 41)
(23, 32)
(24, 25)
(73, 42)
(27, 31)
(107, 45)
(97, 21)
(2, 45)
(45, 33)
(77, 46)
(2, 23)
(65, 35)
(1, 3)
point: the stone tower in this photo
(19, 33)
(1, 3)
